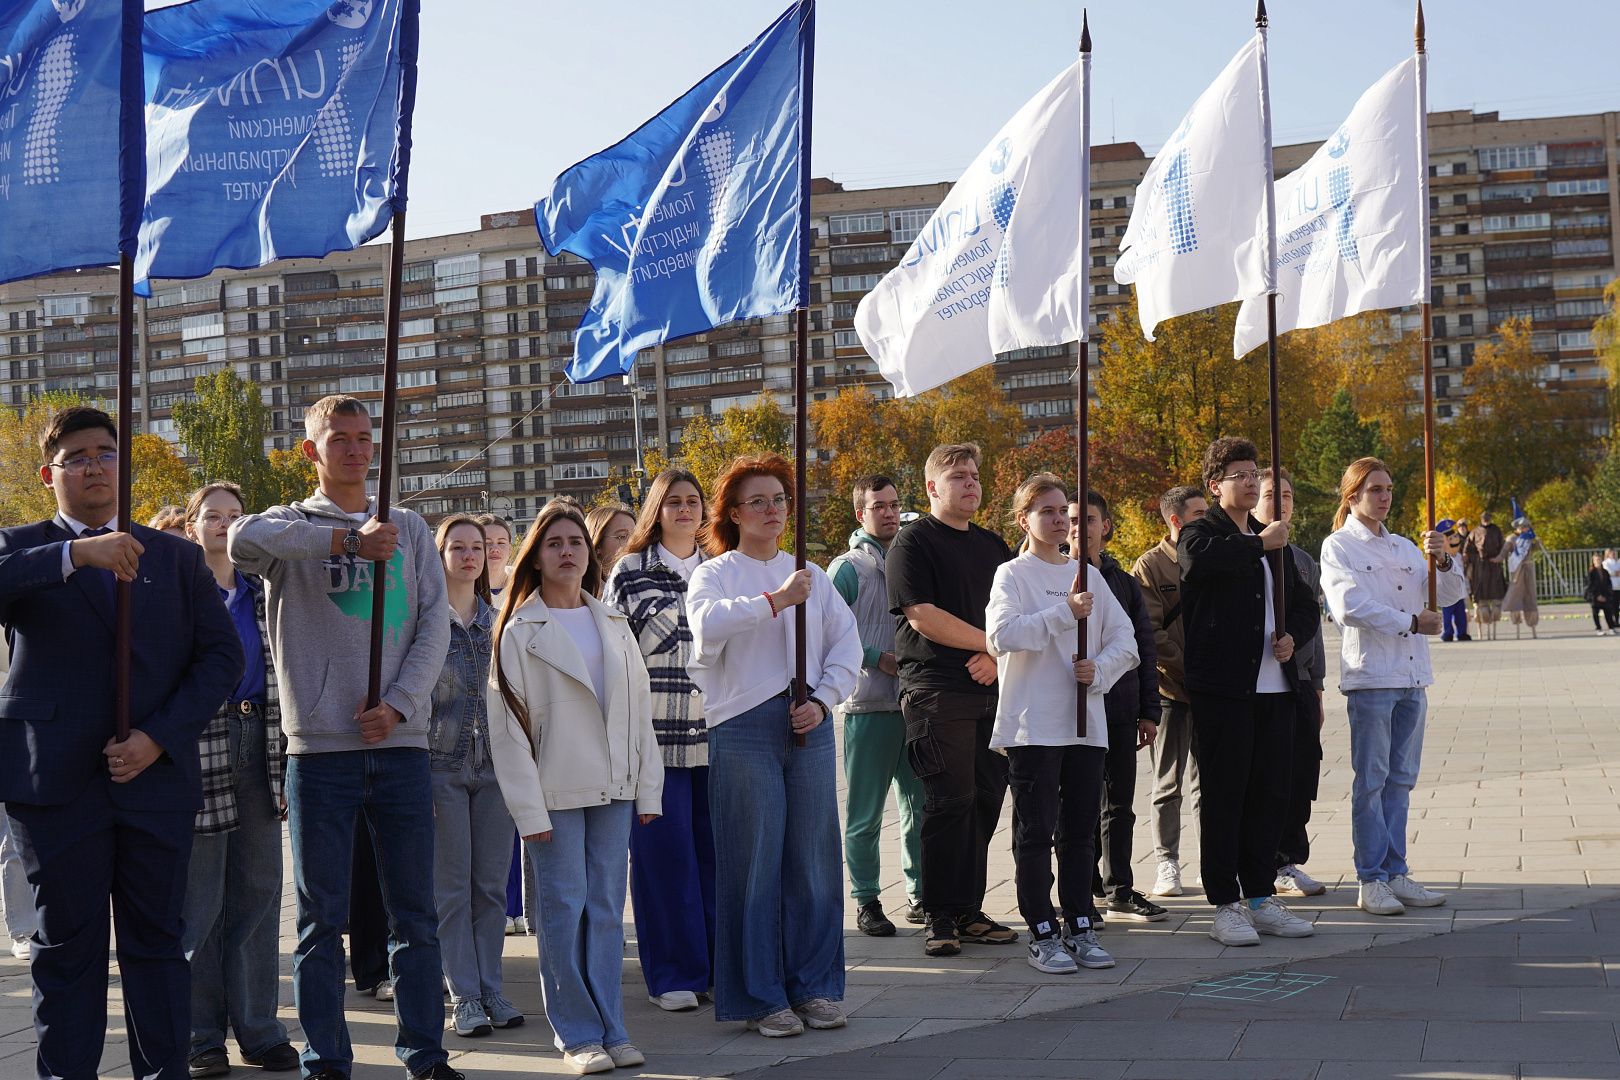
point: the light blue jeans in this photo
(779, 897)
(232, 913)
(471, 857)
(582, 872)
(16, 895)
(1386, 751)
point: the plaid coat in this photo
(218, 814)
(653, 596)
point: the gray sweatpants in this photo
(1174, 773)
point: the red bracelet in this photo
(771, 602)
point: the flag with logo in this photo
(274, 131)
(997, 267)
(698, 217)
(1350, 221)
(1192, 242)
(70, 134)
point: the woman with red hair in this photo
(779, 905)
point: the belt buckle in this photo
(244, 707)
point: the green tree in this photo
(1555, 508)
(224, 430)
(1326, 445)
(289, 478)
(1606, 339)
(1600, 517)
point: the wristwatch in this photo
(351, 542)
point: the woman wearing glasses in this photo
(779, 944)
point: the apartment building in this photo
(1522, 225)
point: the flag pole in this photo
(126, 453)
(801, 512)
(1425, 316)
(1261, 23)
(385, 467)
(1083, 436)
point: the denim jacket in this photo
(458, 698)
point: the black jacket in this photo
(1136, 695)
(1223, 605)
(1598, 587)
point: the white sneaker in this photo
(1273, 917)
(20, 948)
(1377, 899)
(675, 1000)
(1292, 881)
(384, 991)
(778, 1025)
(1232, 925)
(1169, 881)
(1049, 955)
(626, 1056)
(820, 1013)
(588, 1059)
(1412, 894)
(511, 925)
(1086, 950)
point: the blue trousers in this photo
(779, 904)
(391, 792)
(1386, 751)
(1455, 619)
(78, 855)
(672, 884)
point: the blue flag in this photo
(276, 129)
(697, 218)
(70, 134)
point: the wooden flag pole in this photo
(385, 466)
(1083, 450)
(801, 398)
(1279, 606)
(1425, 318)
(126, 455)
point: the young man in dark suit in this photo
(95, 818)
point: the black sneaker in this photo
(914, 913)
(871, 921)
(981, 929)
(1135, 907)
(278, 1058)
(941, 939)
(211, 1062)
(438, 1071)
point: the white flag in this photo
(1350, 221)
(997, 267)
(1192, 243)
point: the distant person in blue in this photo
(94, 818)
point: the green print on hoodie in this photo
(352, 591)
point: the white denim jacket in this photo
(1374, 585)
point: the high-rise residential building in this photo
(1522, 225)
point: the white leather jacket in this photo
(1374, 585)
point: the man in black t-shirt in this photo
(940, 570)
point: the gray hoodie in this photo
(319, 608)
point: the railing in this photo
(1561, 575)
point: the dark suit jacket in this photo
(56, 708)
(1223, 601)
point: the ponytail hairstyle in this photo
(1355, 478)
(524, 580)
(1026, 495)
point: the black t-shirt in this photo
(953, 569)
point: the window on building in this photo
(1493, 158)
(855, 283)
(1096, 204)
(1459, 199)
(1516, 222)
(847, 224)
(1465, 289)
(1098, 232)
(904, 225)
(1599, 186)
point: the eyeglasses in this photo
(760, 505)
(1247, 475)
(213, 519)
(80, 465)
(877, 508)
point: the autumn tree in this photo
(1326, 445)
(1606, 339)
(158, 477)
(24, 498)
(289, 478)
(1512, 432)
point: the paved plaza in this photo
(1516, 818)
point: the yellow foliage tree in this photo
(1454, 498)
(159, 477)
(24, 498)
(289, 478)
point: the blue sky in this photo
(908, 91)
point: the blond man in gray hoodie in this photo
(319, 560)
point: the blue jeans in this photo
(672, 883)
(1386, 750)
(580, 905)
(16, 897)
(471, 829)
(779, 904)
(393, 789)
(233, 910)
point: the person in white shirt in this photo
(571, 734)
(779, 906)
(1376, 584)
(1055, 770)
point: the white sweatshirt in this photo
(742, 655)
(1034, 635)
